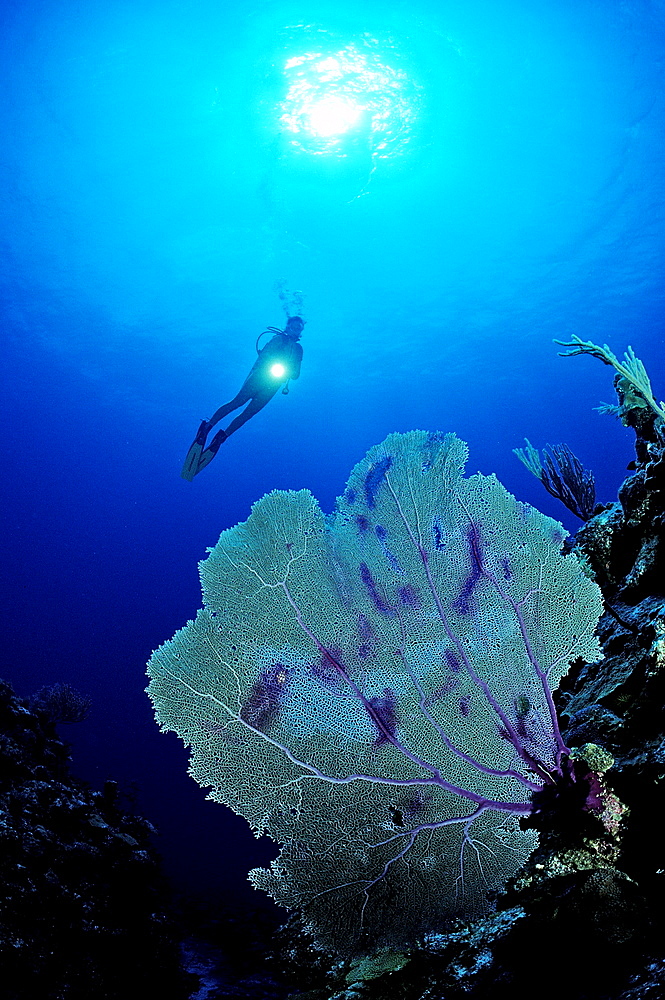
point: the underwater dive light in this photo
(278, 370)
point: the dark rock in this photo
(82, 904)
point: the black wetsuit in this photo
(260, 385)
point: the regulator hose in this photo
(271, 329)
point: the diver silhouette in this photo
(277, 363)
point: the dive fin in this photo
(210, 452)
(192, 466)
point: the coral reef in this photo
(82, 907)
(584, 915)
(374, 689)
(60, 703)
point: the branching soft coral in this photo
(631, 368)
(563, 476)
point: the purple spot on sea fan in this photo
(522, 731)
(596, 795)
(444, 689)
(374, 478)
(365, 630)
(414, 805)
(367, 637)
(452, 662)
(266, 697)
(377, 598)
(217, 731)
(382, 534)
(464, 706)
(350, 495)
(434, 439)
(362, 522)
(437, 533)
(383, 713)
(507, 571)
(407, 808)
(463, 602)
(214, 728)
(409, 597)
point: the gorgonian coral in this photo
(374, 690)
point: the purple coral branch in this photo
(387, 736)
(529, 759)
(311, 768)
(412, 835)
(562, 749)
(386, 868)
(509, 773)
(483, 806)
(531, 785)
(436, 779)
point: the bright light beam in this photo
(345, 99)
(333, 116)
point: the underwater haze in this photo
(440, 188)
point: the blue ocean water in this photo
(450, 186)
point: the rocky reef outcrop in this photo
(83, 909)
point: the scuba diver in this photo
(277, 362)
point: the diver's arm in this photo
(296, 361)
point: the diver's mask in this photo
(294, 327)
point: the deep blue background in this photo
(151, 199)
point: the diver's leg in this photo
(238, 400)
(255, 404)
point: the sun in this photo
(333, 116)
(347, 98)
